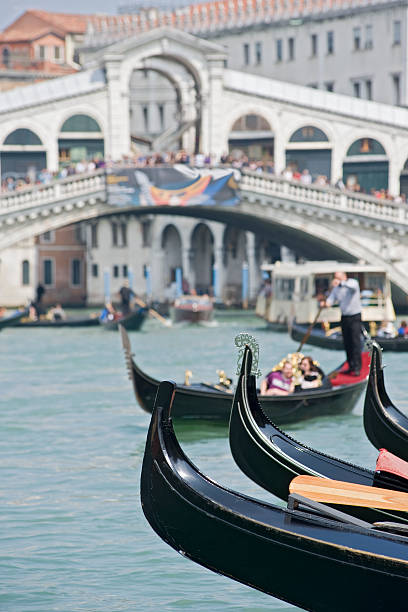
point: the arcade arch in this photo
(22, 154)
(172, 250)
(365, 167)
(309, 149)
(252, 136)
(80, 138)
(202, 257)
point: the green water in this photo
(73, 535)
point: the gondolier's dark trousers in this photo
(351, 329)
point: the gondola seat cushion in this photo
(387, 462)
(346, 379)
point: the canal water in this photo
(73, 536)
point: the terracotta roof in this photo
(32, 24)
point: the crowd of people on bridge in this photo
(16, 182)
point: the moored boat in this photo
(132, 321)
(68, 322)
(385, 425)
(271, 458)
(13, 319)
(192, 309)
(300, 554)
(333, 339)
(207, 401)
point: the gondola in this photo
(308, 554)
(334, 342)
(13, 319)
(69, 322)
(132, 321)
(385, 425)
(207, 401)
(271, 458)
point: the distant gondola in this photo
(205, 401)
(305, 557)
(69, 322)
(132, 321)
(385, 425)
(334, 342)
(13, 319)
(271, 458)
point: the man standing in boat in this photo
(346, 292)
(126, 294)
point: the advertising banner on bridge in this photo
(172, 186)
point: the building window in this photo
(396, 84)
(246, 54)
(369, 37)
(356, 39)
(357, 89)
(329, 86)
(291, 48)
(330, 42)
(160, 108)
(41, 52)
(95, 270)
(76, 272)
(124, 271)
(145, 111)
(314, 45)
(114, 226)
(6, 57)
(47, 237)
(48, 272)
(396, 33)
(146, 227)
(25, 268)
(115, 271)
(57, 53)
(123, 234)
(312, 85)
(94, 236)
(258, 53)
(369, 89)
(279, 50)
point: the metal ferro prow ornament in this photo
(241, 341)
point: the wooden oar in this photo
(348, 493)
(309, 331)
(153, 313)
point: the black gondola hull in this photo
(297, 557)
(317, 337)
(272, 459)
(385, 425)
(86, 322)
(132, 322)
(12, 320)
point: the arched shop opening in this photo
(22, 155)
(171, 246)
(251, 136)
(404, 180)
(80, 139)
(202, 250)
(365, 168)
(234, 255)
(309, 148)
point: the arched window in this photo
(308, 133)
(25, 270)
(366, 146)
(251, 123)
(22, 136)
(80, 123)
(6, 57)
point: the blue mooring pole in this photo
(106, 285)
(216, 282)
(179, 282)
(130, 277)
(148, 282)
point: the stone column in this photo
(393, 177)
(214, 117)
(188, 273)
(117, 141)
(252, 266)
(279, 154)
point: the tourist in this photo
(346, 292)
(311, 375)
(386, 330)
(57, 313)
(403, 329)
(279, 382)
(306, 177)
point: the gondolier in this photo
(346, 292)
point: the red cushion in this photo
(387, 462)
(346, 379)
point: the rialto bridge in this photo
(316, 222)
(90, 114)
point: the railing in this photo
(325, 198)
(55, 192)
